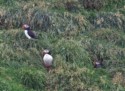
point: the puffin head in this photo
(45, 51)
(26, 27)
(97, 64)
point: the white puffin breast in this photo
(27, 35)
(47, 59)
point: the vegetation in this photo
(76, 32)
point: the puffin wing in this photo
(31, 34)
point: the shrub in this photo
(42, 20)
(93, 4)
(59, 5)
(111, 36)
(7, 3)
(113, 56)
(108, 20)
(35, 17)
(71, 6)
(32, 78)
(118, 78)
(4, 86)
(112, 5)
(68, 24)
(65, 76)
(73, 78)
(72, 52)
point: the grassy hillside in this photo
(76, 32)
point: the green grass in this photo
(74, 38)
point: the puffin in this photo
(28, 33)
(98, 62)
(47, 59)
